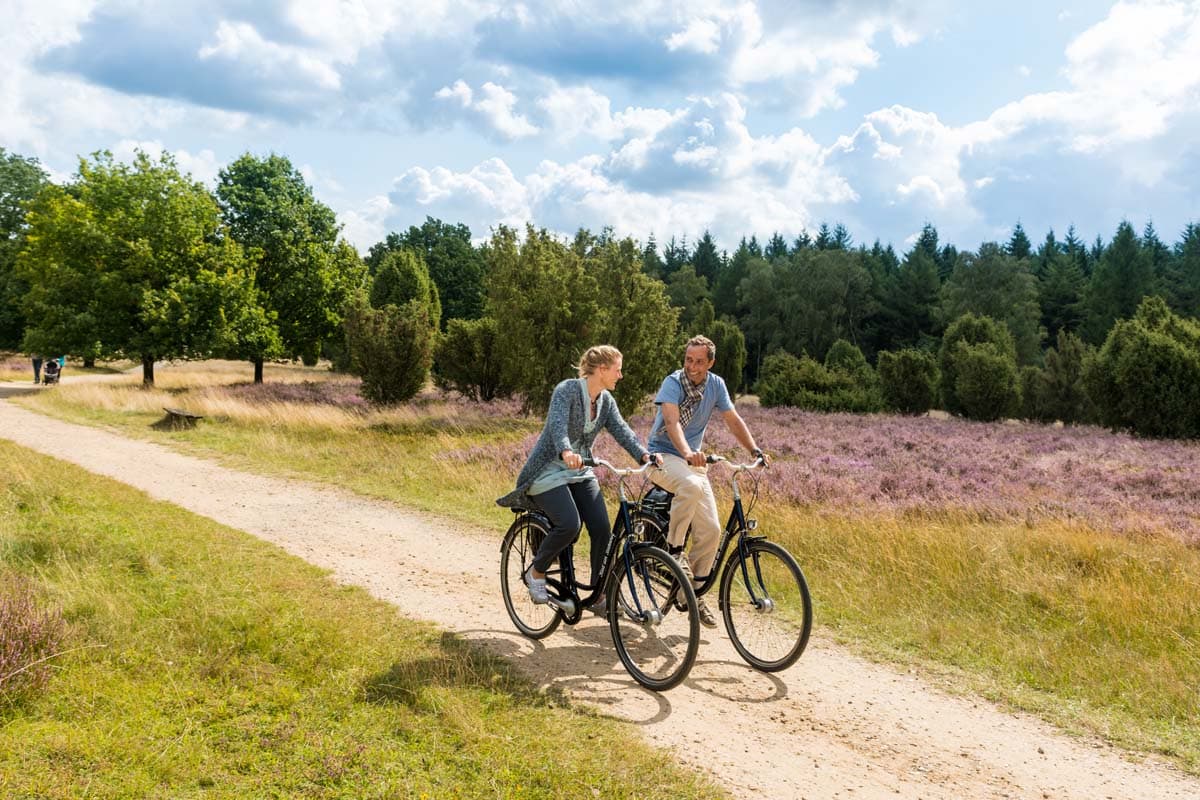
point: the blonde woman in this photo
(554, 478)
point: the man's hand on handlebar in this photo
(697, 458)
(653, 458)
(758, 453)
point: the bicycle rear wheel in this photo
(656, 642)
(516, 555)
(766, 605)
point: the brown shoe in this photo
(706, 616)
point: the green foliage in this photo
(908, 300)
(687, 291)
(633, 315)
(20, 181)
(997, 285)
(986, 381)
(731, 353)
(909, 380)
(1057, 391)
(391, 348)
(132, 261)
(455, 265)
(804, 383)
(1123, 275)
(402, 277)
(546, 307)
(468, 359)
(303, 273)
(1146, 377)
(972, 330)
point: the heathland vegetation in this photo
(1052, 569)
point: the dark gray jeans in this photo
(566, 506)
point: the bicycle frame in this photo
(570, 603)
(735, 526)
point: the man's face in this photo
(696, 363)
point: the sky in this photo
(659, 118)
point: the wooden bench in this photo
(178, 418)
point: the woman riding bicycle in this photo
(554, 478)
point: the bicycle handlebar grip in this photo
(711, 459)
(589, 462)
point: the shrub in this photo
(1035, 395)
(909, 380)
(986, 381)
(802, 382)
(731, 353)
(391, 348)
(468, 360)
(1061, 394)
(1146, 377)
(29, 636)
(972, 330)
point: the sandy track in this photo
(831, 726)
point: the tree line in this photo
(139, 261)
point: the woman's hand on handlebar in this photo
(571, 459)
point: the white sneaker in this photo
(537, 587)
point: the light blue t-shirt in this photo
(716, 396)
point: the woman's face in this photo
(610, 374)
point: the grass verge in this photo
(201, 662)
(1094, 631)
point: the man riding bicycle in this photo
(686, 401)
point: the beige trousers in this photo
(694, 507)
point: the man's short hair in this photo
(702, 341)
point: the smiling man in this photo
(686, 401)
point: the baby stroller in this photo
(51, 372)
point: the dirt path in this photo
(831, 726)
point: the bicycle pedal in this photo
(567, 606)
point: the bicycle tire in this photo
(516, 554)
(769, 637)
(657, 648)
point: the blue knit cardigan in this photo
(564, 424)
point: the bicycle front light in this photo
(751, 524)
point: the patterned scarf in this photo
(692, 395)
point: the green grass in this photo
(202, 662)
(1095, 632)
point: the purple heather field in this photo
(864, 464)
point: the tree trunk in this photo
(89, 363)
(258, 370)
(147, 371)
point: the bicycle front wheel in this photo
(516, 555)
(653, 618)
(766, 605)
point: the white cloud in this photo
(700, 35)
(241, 44)
(492, 106)
(582, 111)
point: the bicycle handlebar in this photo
(614, 469)
(757, 463)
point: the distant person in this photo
(554, 478)
(37, 369)
(686, 400)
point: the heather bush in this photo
(986, 382)
(29, 637)
(468, 360)
(972, 330)
(391, 348)
(1146, 377)
(908, 380)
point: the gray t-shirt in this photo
(716, 396)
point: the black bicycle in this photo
(763, 595)
(651, 604)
